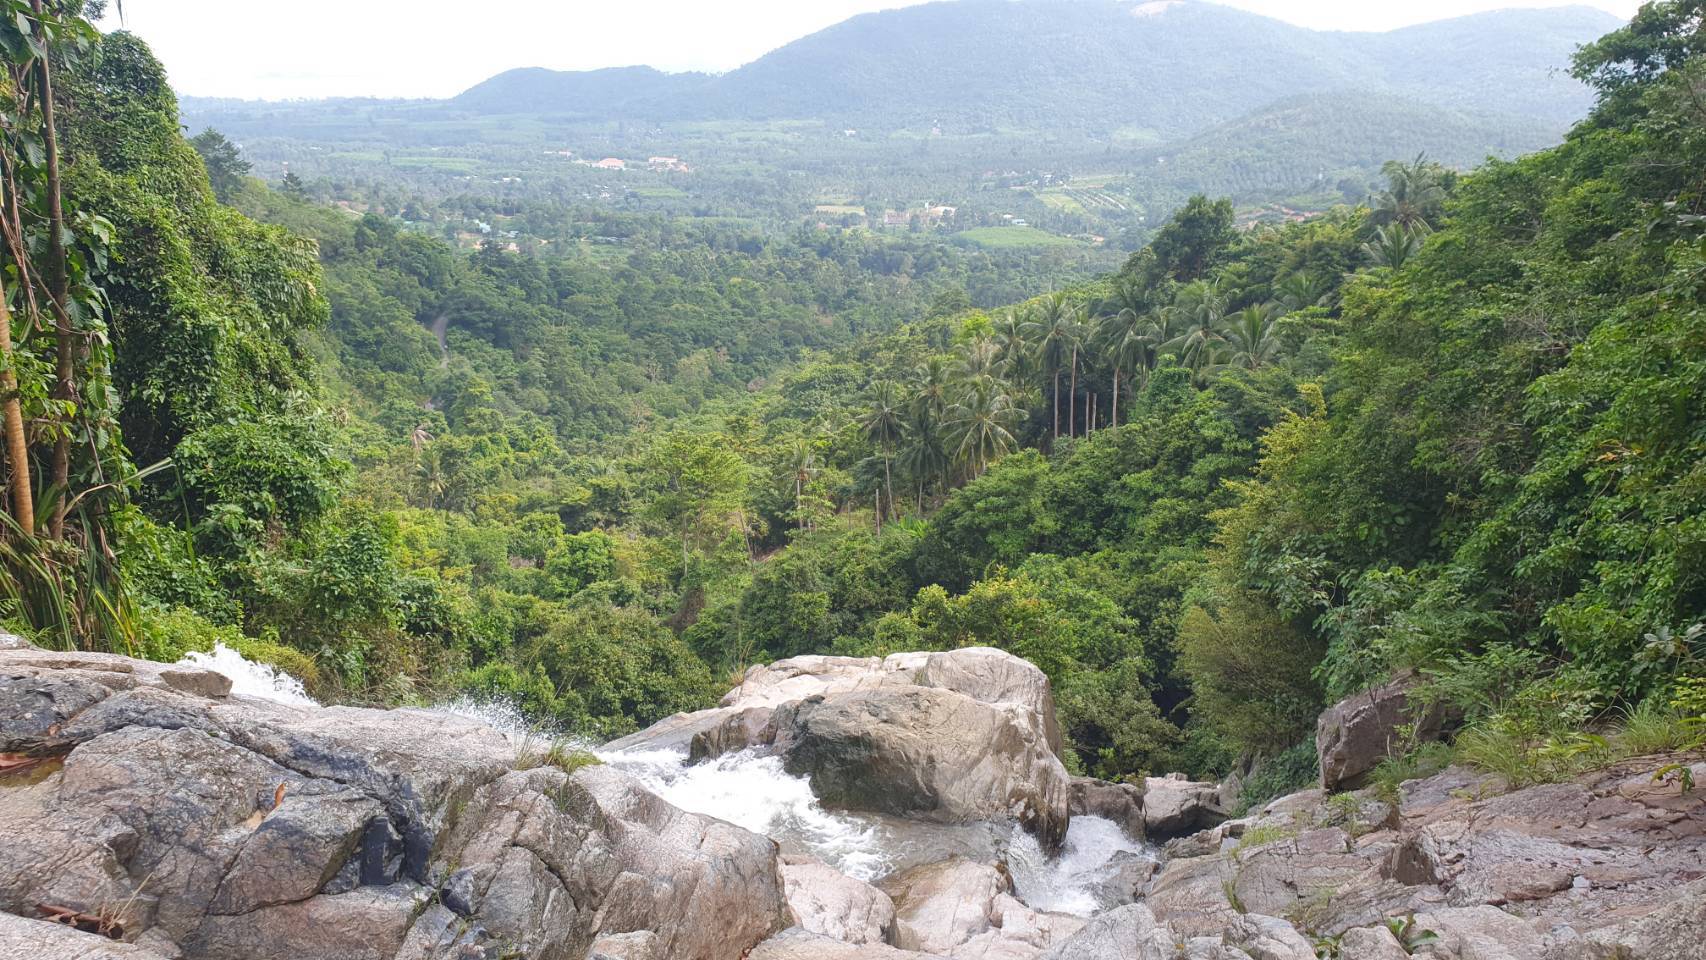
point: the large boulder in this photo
(825, 901)
(1126, 933)
(798, 944)
(1354, 735)
(925, 753)
(206, 826)
(966, 910)
(1174, 806)
(1121, 803)
(962, 736)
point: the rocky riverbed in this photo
(905, 808)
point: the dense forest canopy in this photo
(1457, 429)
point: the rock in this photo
(1129, 874)
(961, 736)
(40, 940)
(202, 683)
(229, 828)
(797, 944)
(625, 946)
(1126, 933)
(1674, 931)
(825, 901)
(11, 641)
(365, 924)
(1120, 802)
(1174, 806)
(942, 905)
(927, 754)
(1268, 938)
(1018, 933)
(1190, 895)
(1355, 734)
(1482, 933)
(994, 676)
(1371, 943)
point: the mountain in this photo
(1166, 68)
(586, 93)
(1309, 142)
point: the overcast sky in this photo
(436, 48)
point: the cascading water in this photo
(1080, 878)
(755, 792)
(250, 679)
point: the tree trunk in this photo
(1072, 406)
(17, 447)
(1095, 408)
(1114, 421)
(58, 290)
(888, 484)
(1057, 404)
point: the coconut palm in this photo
(1302, 290)
(1394, 244)
(802, 465)
(982, 425)
(924, 455)
(884, 424)
(1123, 337)
(1013, 344)
(981, 359)
(1415, 193)
(1198, 313)
(1252, 336)
(1053, 332)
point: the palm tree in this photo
(802, 464)
(1052, 332)
(1080, 323)
(924, 454)
(1200, 310)
(1253, 335)
(1122, 336)
(982, 422)
(930, 387)
(1012, 341)
(1414, 195)
(981, 359)
(1394, 244)
(1302, 290)
(884, 425)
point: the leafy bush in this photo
(1284, 773)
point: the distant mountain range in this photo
(1164, 69)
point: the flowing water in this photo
(755, 792)
(250, 679)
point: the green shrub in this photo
(1284, 773)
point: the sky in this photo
(265, 49)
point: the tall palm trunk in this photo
(1114, 420)
(58, 287)
(1072, 411)
(1057, 403)
(888, 484)
(17, 448)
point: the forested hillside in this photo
(1459, 429)
(1170, 68)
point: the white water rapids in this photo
(250, 679)
(755, 792)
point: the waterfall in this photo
(250, 679)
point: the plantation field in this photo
(1012, 238)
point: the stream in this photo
(753, 791)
